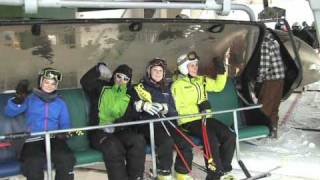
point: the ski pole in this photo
(177, 149)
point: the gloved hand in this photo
(109, 130)
(205, 105)
(148, 107)
(22, 91)
(219, 66)
(163, 108)
(105, 72)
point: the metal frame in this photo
(151, 122)
(31, 6)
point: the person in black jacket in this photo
(152, 99)
(123, 149)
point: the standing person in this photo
(270, 80)
(45, 111)
(123, 149)
(190, 95)
(153, 100)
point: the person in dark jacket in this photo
(44, 111)
(123, 149)
(153, 99)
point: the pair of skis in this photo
(258, 176)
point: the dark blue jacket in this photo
(159, 95)
(41, 115)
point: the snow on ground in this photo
(296, 151)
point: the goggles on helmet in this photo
(52, 74)
(191, 56)
(158, 62)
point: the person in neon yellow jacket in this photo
(189, 91)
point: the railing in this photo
(151, 122)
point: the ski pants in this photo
(165, 146)
(123, 153)
(221, 140)
(33, 159)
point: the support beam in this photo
(208, 5)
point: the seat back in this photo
(77, 106)
(224, 100)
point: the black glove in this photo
(22, 91)
(62, 136)
(219, 66)
(205, 105)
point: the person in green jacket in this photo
(189, 91)
(122, 147)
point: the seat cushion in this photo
(253, 131)
(9, 168)
(88, 156)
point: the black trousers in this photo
(33, 159)
(165, 146)
(123, 153)
(222, 143)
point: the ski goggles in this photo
(191, 56)
(158, 62)
(122, 76)
(52, 74)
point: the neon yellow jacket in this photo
(188, 92)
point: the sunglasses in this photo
(52, 74)
(122, 76)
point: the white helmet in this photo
(186, 59)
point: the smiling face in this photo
(121, 79)
(193, 68)
(49, 85)
(156, 73)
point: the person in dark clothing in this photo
(153, 99)
(44, 111)
(190, 95)
(123, 149)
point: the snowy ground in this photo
(296, 151)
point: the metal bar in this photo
(153, 153)
(139, 122)
(209, 5)
(48, 153)
(235, 123)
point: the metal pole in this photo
(48, 153)
(208, 5)
(153, 153)
(235, 122)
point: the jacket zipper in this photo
(46, 116)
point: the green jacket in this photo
(188, 92)
(113, 103)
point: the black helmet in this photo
(156, 62)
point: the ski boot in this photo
(228, 176)
(165, 177)
(180, 176)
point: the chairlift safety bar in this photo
(151, 122)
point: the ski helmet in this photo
(156, 62)
(186, 59)
(49, 73)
